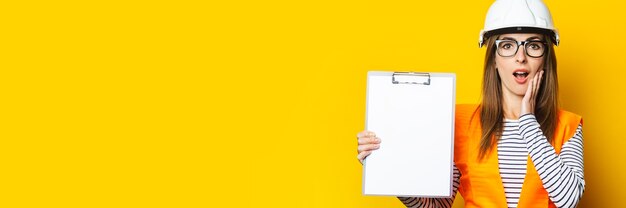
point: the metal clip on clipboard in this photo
(410, 78)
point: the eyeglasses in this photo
(533, 48)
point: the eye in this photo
(535, 45)
(506, 45)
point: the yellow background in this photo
(254, 103)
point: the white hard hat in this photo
(518, 16)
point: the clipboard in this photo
(413, 115)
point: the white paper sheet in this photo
(416, 125)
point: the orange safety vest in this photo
(480, 184)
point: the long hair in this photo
(491, 109)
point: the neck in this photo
(511, 104)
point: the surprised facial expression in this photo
(517, 66)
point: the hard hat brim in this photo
(507, 30)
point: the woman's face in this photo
(518, 68)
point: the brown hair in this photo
(491, 109)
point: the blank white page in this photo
(416, 125)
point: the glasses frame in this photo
(522, 43)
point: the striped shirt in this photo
(561, 174)
(512, 158)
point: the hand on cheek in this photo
(529, 100)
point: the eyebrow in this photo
(530, 38)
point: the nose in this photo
(520, 56)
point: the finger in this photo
(536, 90)
(532, 88)
(528, 91)
(538, 82)
(366, 133)
(367, 147)
(539, 75)
(361, 156)
(533, 92)
(369, 140)
(540, 79)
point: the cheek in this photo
(499, 67)
(497, 62)
(500, 72)
(537, 64)
(503, 64)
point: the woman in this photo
(515, 149)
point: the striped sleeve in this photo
(415, 202)
(562, 175)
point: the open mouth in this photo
(520, 75)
